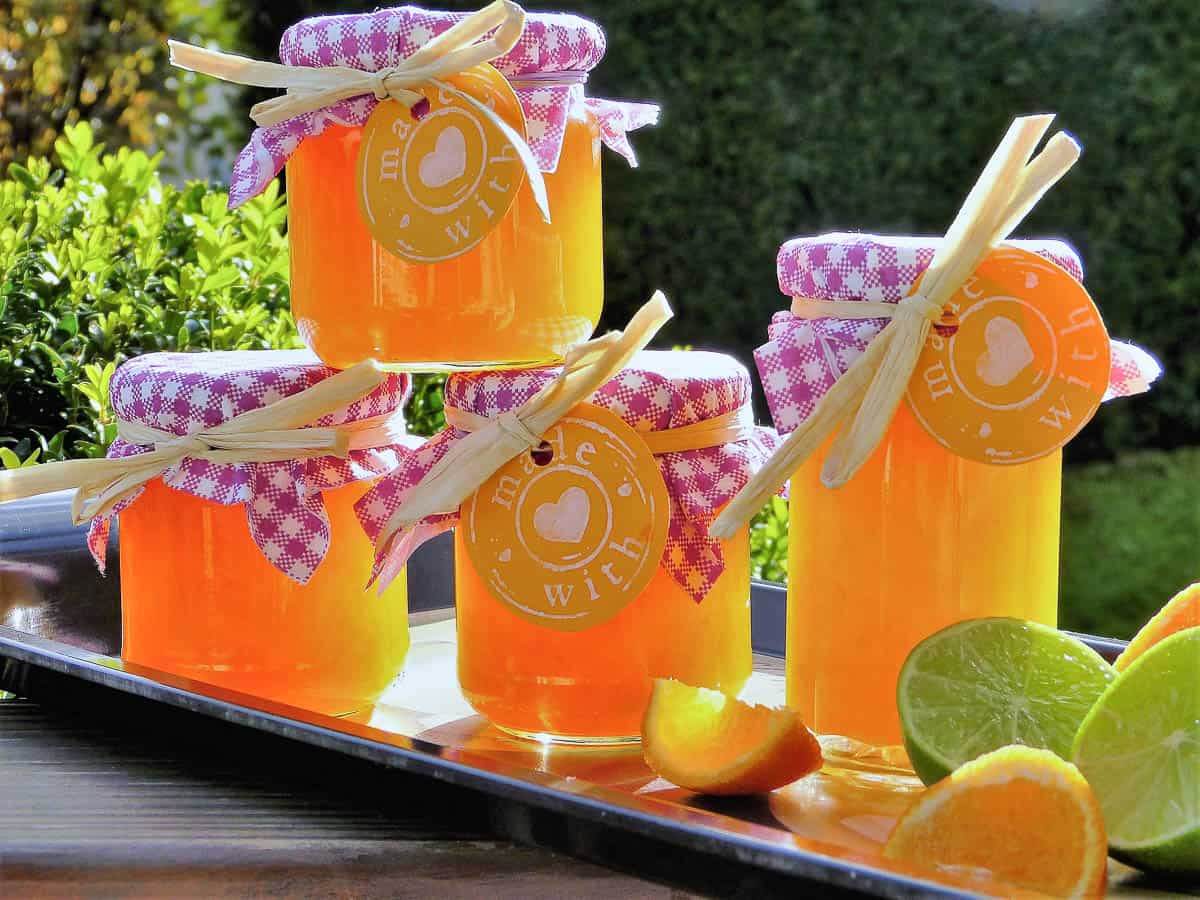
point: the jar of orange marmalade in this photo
(529, 288)
(582, 568)
(245, 568)
(922, 536)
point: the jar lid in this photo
(551, 42)
(879, 268)
(183, 393)
(659, 389)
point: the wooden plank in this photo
(89, 811)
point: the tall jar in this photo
(252, 575)
(583, 570)
(919, 538)
(526, 291)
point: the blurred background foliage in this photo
(780, 118)
(104, 62)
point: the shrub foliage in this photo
(99, 261)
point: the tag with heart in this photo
(570, 539)
(1023, 368)
(432, 188)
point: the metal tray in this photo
(60, 642)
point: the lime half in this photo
(1139, 748)
(987, 683)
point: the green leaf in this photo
(24, 177)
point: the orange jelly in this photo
(919, 539)
(524, 294)
(593, 685)
(199, 599)
(582, 569)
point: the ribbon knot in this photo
(513, 426)
(379, 83)
(922, 306)
(860, 405)
(188, 445)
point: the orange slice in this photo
(1017, 814)
(1182, 611)
(711, 743)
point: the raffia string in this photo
(736, 425)
(864, 400)
(473, 460)
(463, 45)
(270, 433)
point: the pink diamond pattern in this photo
(183, 393)
(804, 357)
(550, 43)
(657, 391)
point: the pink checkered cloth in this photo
(551, 43)
(183, 393)
(657, 391)
(804, 357)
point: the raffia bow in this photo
(270, 433)
(465, 44)
(866, 397)
(474, 459)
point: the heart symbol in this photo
(447, 161)
(565, 520)
(1008, 352)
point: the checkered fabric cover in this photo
(804, 357)
(657, 391)
(551, 42)
(183, 393)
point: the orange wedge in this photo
(1182, 611)
(1017, 814)
(712, 743)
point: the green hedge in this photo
(801, 116)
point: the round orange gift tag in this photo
(1021, 367)
(568, 535)
(432, 188)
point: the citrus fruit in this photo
(711, 743)
(1140, 750)
(1019, 814)
(1182, 611)
(987, 683)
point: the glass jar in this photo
(919, 538)
(593, 686)
(236, 621)
(521, 296)
(227, 575)
(583, 567)
(942, 539)
(528, 291)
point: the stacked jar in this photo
(373, 274)
(583, 568)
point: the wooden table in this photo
(92, 810)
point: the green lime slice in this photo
(1139, 748)
(986, 683)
